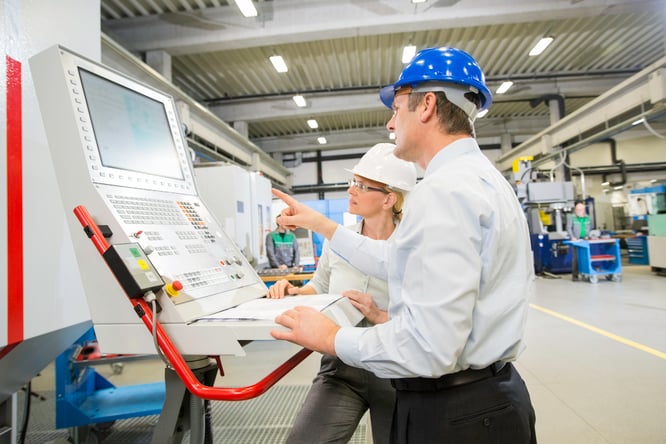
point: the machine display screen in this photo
(132, 130)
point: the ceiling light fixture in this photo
(299, 101)
(408, 53)
(312, 123)
(504, 87)
(419, 1)
(246, 8)
(391, 136)
(482, 113)
(540, 46)
(322, 140)
(278, 63)
(638, 122)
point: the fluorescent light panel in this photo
(278, 63)
(322, 140)
(419, 1)
(540, 46)
(408, 53)
(246, 8)
(312, 123)
(504, 87)
(482, 113)
(299, 101)
(391, 136)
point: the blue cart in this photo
(594, 258)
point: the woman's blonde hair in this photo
(399, 202)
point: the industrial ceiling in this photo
(340, 52)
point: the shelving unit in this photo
(638, 250)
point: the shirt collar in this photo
(458, 148)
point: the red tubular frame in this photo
(184, 372)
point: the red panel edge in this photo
(15, 309)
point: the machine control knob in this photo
(173, 288)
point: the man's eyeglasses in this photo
(363, 187)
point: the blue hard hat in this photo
(440, 65)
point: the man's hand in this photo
(366, 305)
(300, 215)
(309, 328)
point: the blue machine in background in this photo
(334, 209)
(86, 398)
(552, 256)
(547, 205)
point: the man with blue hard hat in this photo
(459, 269)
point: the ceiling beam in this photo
(493, 129)
(640, 96)
(293, 21)
(282, 106)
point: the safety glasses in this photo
(361, 187)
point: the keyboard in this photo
(279, 272)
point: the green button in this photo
(135, 252)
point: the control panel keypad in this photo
(203, 278)
(147, 211)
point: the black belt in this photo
(447, 381)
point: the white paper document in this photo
(269, 309)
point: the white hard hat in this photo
(381, 165)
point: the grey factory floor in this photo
(595, 366)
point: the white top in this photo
(334, 275)
(459, 269)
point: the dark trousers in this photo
(336, 402)
(494, 410)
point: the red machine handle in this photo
(181, 368)
(91, 229)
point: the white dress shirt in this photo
(334, 275)
(459, 270)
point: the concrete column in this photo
(160, 61)
(555, 115)
(506, 142)
(241, 127)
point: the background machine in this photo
(546, 205)
(241, 201)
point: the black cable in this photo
(153, 303)
(208, 422)
(26, 412)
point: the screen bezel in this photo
(108, 175)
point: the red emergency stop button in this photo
(173, 288)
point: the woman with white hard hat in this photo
(341, 394)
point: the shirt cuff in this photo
(346, 343)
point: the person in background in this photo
(459, 269)
(282, 248)
(341, 394)
(579, 223)
(578, 227)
